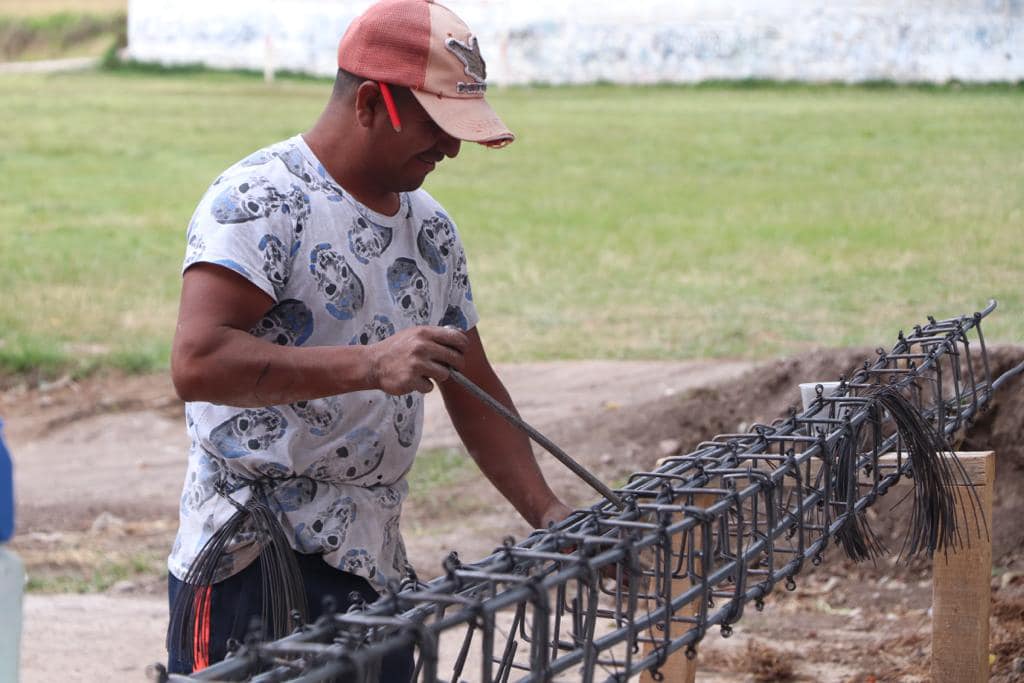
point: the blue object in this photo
(6, 491)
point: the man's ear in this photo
(369, 103)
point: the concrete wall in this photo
(636, 41)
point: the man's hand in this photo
(216, 357)
(555, 513)
(410, 359)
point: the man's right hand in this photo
(216, 357)
(408, 360)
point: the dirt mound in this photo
(634, 437)
(899, 590)
(1001, 429)
(761, 396)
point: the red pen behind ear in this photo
(389, 104)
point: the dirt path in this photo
(99, 468)
(116, 444)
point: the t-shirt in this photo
(339, 273)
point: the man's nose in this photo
(448, 145)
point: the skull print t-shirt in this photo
(338, 273)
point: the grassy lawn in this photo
(624, 222)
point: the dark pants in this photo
(236, 600)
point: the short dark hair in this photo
(345, 84)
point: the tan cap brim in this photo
(466, 118)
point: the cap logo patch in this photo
(469, 55)
(470, 88)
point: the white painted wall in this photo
(627, 41)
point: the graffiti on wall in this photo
(650, 41)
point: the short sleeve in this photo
(250, 221)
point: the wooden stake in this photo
(961, 589)
(677, 668)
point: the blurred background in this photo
(651, 41)
(697, 190)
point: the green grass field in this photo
(624, 223)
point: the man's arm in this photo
(215, 358)
(501, 450)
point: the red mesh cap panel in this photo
(389, 43)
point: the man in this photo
(323, 293)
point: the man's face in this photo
(405, 158)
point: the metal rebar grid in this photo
(610, 592)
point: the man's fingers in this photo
(437, 371)
(442, 354)
(409, 360)
(452, 337)
(452, 359)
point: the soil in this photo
(99, 465)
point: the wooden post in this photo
(677, 668)
(961, 589)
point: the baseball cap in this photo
(424, 46)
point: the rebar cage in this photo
(611, 592)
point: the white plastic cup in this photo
(809, 393)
